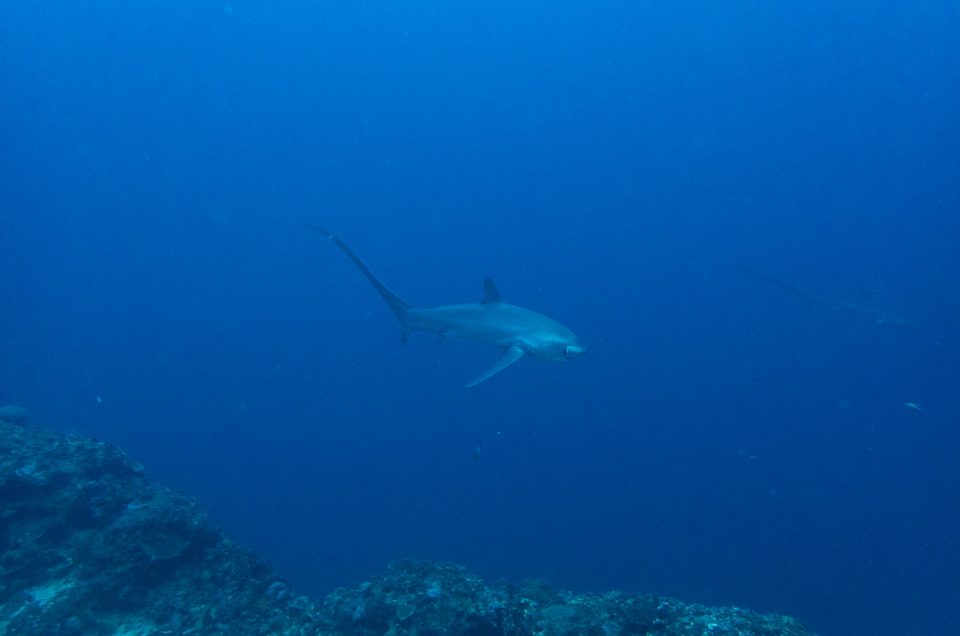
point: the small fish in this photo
(914, 406)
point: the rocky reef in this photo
(89, 547)
(430, 599)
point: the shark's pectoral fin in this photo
(510, 355)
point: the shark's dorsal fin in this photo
(510, 355)
(490, 293)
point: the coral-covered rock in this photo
(428, 599)
(13, 414)
(89, 547)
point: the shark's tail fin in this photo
(400, 307)
(803, 296)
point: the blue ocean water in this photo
(725, 441)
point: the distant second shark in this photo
(879, 315)
(518, 332)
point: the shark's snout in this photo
(574, 350)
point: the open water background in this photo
(605, 163)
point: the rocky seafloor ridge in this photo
(89, 547)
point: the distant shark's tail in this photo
(804, 297)
(400, 307)
(878, 314)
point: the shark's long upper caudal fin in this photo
(398, 305)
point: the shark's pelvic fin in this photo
(510, 355)
(490, 293)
